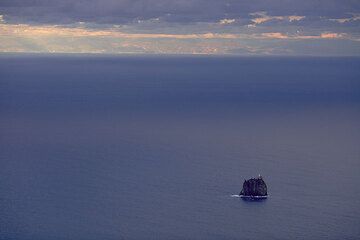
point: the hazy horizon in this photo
(256, 27)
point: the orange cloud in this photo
(325, 35)
(332, 35)
(23, 30)
(262, 17)
(295, 18)
(275, 35)
(37, 31)
(67, 39)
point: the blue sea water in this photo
(155, 147)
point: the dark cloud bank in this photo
(183, 11)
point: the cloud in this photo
(324, 35)
(330, 35)
(60, 39)
(172, 26)
(226, 21)
(354, 17)
(295, 18)
(185, 11)
(262, 17)
(275, 35)
(60, 31)
(30, 31)
(79, 39)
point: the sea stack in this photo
(254, 188)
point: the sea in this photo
(158, 147)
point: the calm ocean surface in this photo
(153, 147)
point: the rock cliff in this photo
(254, 187)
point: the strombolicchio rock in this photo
(254, 188)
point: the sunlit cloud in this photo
(226, 21)
(333, 35)
(61, 31)
(191, 27)
(354, 17)
(275, 35)
(324, 35)
(262, 17)
(295, 18)
(81, 38)
(61, 39)
(32, 31)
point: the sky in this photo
(233, 27)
